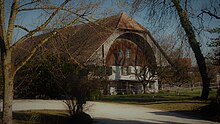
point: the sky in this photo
(111, 7)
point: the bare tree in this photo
(187, 25)
(179, 55)
(8, 45)
(146, 76)
(215, 44)
(164, 11)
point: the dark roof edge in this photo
(119, 19)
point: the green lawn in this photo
(161, 97)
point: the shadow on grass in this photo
(190, 114)
(37, 117)
(180, 114)
(45, 117)
(112, 121)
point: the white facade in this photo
(128, 77)
(121, 73)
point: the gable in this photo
(128, 23)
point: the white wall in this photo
(117, 74)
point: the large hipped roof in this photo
(83, 40)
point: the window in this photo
(120, 53)
(128, 52)
(125, 70)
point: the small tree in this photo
(215, 54)
(146, 76)
(215, 44)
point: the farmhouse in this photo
(117, 42)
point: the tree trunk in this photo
(218, 96)
(144, 87)
(186, 24)
(8, 87)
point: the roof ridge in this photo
(119, 19)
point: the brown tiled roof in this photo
(83, 40)
(128, 23)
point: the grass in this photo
(185, 101)
(49, 117)
(161, 97)
(42, 117)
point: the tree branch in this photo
(50, 35)
(34, 50)
(33, 1)
(54, 7)
(14, 11)
(2, 22)
(22, 27)
(82, 16)
(185, 5)
(2, 47)
(43, 25)
(69, 54)
(39, 8)
(209, 13)
(2, 28)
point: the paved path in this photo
(110, 113)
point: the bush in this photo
(95, 95)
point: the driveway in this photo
(111, 113)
